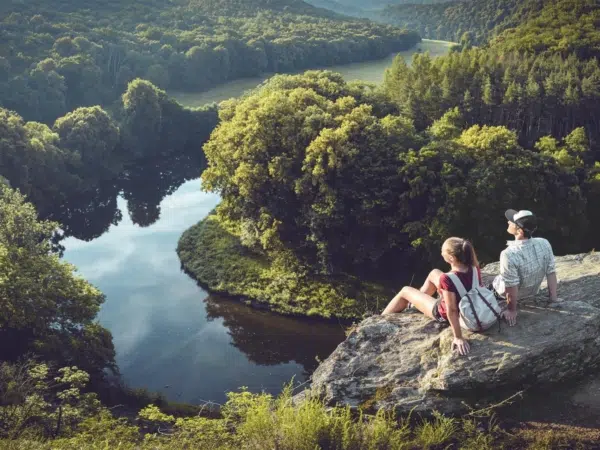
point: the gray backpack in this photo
(478, 308)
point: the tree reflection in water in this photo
(144, 186)
(89, 214)
(269, 339)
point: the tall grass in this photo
(262, 422)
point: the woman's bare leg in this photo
(432, 283)
(420, 300)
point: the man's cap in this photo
(524, 219)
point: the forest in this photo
(365, 186)
(57, 56)
(64, 168)
(328, 188)
(561, 26)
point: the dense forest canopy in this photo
(243, 8)
(320, 168)
(563, 26)
(47, 309)
(533, 95)
(83, 160)
(450, 20)
(57, 56)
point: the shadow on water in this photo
(267, 339)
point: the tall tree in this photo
(46, 308)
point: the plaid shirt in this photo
(525, 264)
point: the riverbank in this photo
(216, 259)
(370, 71)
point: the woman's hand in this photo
(462, 345)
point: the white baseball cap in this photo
(523, 219)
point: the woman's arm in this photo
(451, 302)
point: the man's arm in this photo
(512, 295)
(551, 275)
(510, 276)
(552, 286)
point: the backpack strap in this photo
(489, 306)
(476, 284)
(458, 285)
(463, 293)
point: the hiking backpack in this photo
(478, 308)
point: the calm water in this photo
(372, 71)
(169, 334)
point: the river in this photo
(371, 71)
(170, 335)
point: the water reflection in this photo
(166, 337)
(143, 184)
(90, 213)
(267, 339)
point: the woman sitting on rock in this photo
(460, 254)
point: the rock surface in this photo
(404, 361)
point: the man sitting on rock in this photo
(524, 264)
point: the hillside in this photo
(450, 21)
(534, 25)
(339, 7)
(243, 8)
(333, 195)
(379, 4)
(57, 55)
(563, 26)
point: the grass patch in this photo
(251, 421)
(216, 259)
(258, 421)
(435, 432)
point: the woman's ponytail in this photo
(463, 251)
(469, 254)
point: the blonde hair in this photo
(462, 250)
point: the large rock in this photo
(404, 361)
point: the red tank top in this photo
(446, 284)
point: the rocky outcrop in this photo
(404, 361)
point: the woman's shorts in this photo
(436, 312)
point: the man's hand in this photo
(462, 345)
(510, 316)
